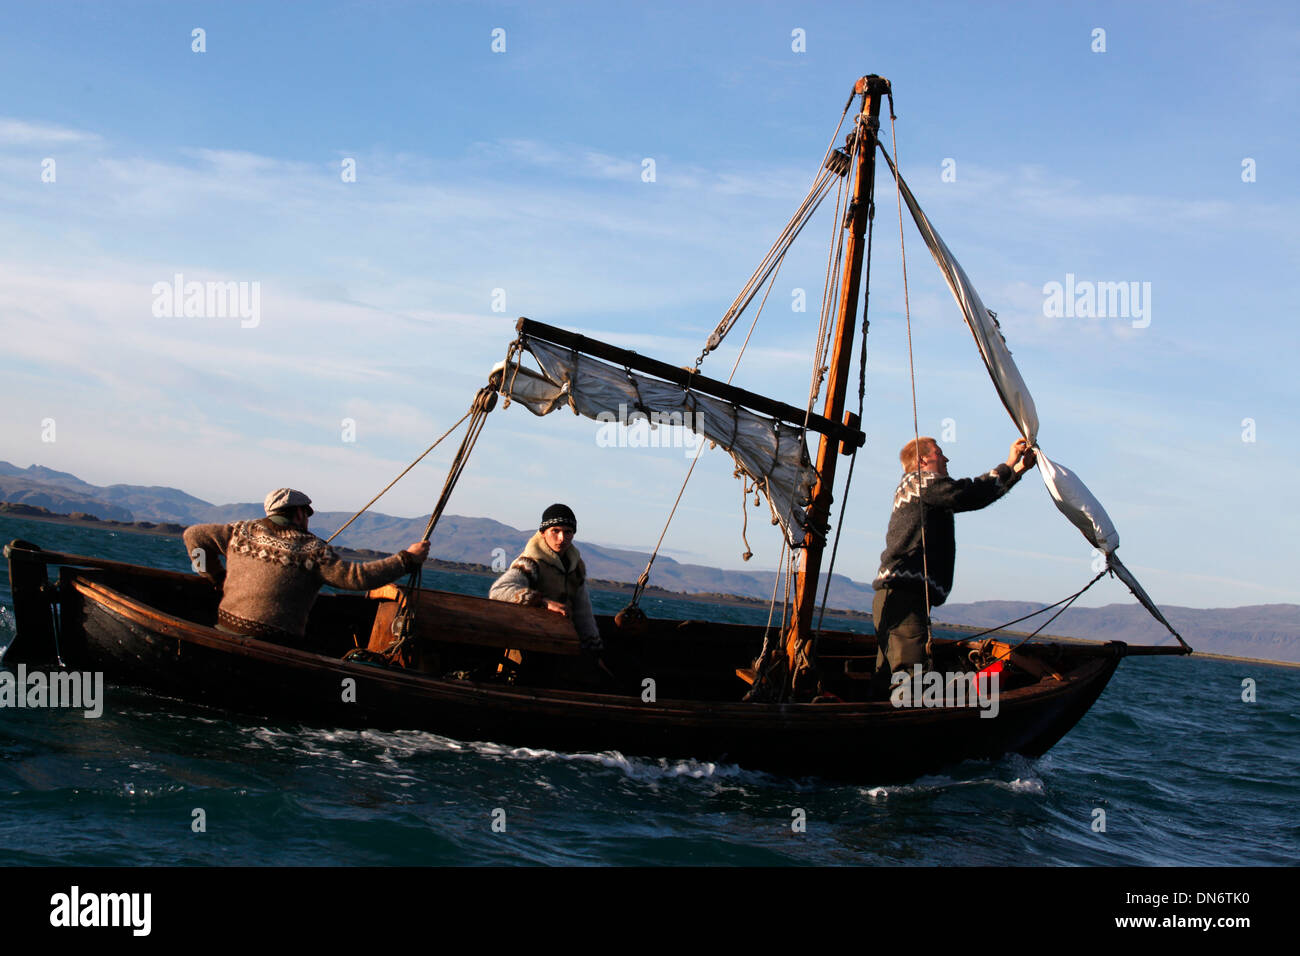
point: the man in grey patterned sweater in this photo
(275, 567)
(926, 497)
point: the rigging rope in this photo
(984, 660)
(827, 174)
(769, 663)
(644, 579)
(911, 365)
(832, 167)
(862, 394)
(745, 489)
(834, 261)
(762, 668)
(403, 626)
(367, 505)
(1067, 601)
(484, 402)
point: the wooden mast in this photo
(872, 88)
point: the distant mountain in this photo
(156, 503)
(60, 496)
(43, 474)
(62, 492)
(224, 514)
(1267, 631)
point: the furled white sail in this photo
(1070, 494)
(1078, 504)
(1068, 491)
(770, 452)
(988, 336)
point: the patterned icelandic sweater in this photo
(273, 573)
(538, 574)
(901, 562)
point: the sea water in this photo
(1174, 764)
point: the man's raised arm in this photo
(206, 543)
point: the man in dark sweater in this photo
(908, 583)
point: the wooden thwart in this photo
(461, 619)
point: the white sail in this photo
(1078, 504)
(1068, 491)
(770, 452)
(988, 335)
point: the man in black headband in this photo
(550, 574)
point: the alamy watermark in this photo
(78, 690)
(208, 300)
(1098, 300)
(75, 908)
(921, 688)
(638, 429)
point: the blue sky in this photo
(521, 171)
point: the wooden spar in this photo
(24, 554)
(872, 89)
(623, 358)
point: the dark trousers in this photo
(901, 634)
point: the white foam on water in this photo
(396, 745)
(129, 789)
(393, 747)
(635, 768)
(938, 784)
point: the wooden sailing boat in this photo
(433, 660)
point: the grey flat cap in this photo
(282, 499)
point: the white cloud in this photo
(16, 132)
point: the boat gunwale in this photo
(799, 713)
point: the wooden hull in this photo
(104, 627)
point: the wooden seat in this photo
(462, 619)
